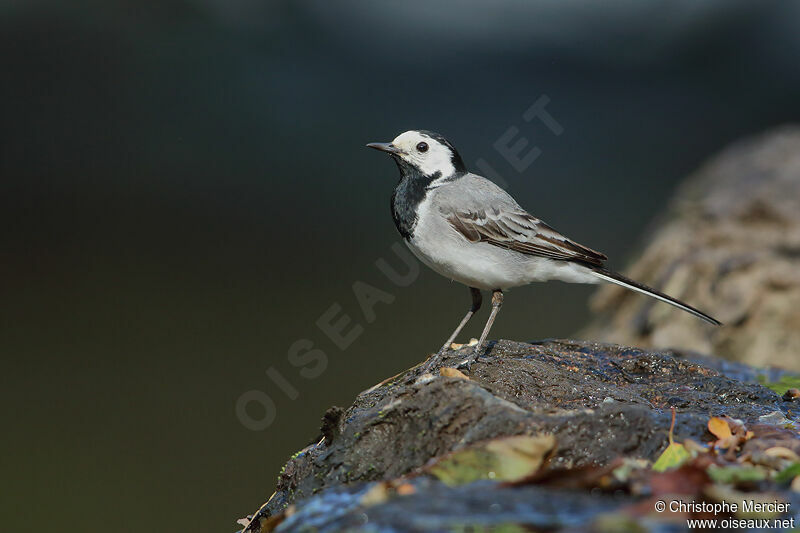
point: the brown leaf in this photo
(376, 494)
(452, 373)
(719, 428)
(456, 346)
(730, 434)
(406, 489)
(782, 452)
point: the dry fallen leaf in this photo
(456, 346)
(501, 459)
(452, 373)
(719, 428)
(376, 494)
(384, 490)
(406, 489)
(782, 452)
(730, 433)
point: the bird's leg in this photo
(477, 299)
(497, 302)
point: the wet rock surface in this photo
(436, 507)
(600, 402)
(485, 507)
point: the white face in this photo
(428, 155)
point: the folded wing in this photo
(521, 232)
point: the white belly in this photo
(481, 265)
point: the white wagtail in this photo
(468, 229)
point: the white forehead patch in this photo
(438, 157)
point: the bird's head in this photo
(423, 151)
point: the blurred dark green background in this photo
(185, 191)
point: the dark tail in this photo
(619, 279)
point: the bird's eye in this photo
(422, 147)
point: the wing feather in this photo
(521, 232)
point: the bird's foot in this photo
(477, 356)
(436, 358)
(467, 363)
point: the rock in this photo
(436, 507)
(600, 402)
(486, 506)
(729, 245)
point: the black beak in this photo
(389, 148)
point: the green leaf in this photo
(673, 457)
(788, 473)
(736, 474)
